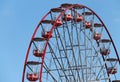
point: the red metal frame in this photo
(48, 41)
(27, 54)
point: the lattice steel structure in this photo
(71, 44)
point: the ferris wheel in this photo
(71, 44)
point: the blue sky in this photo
(18, 19)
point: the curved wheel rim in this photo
(56, 63)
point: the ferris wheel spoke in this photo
(73, 53)
(65, 52)
(61, 65)
(48, 71)
(71, 44)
